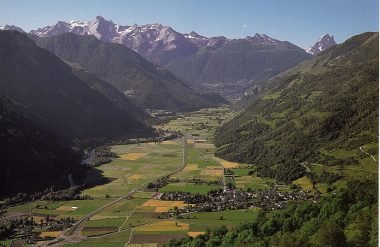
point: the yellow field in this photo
(159, 203)
(227, 164)
(169, 142)
(212, 172)
(190, 141)
(162, 209)
(164, 225)
(163, 206)
(194, 234)
(132, 156)
(133, 177)
(50, 234)
(191, 167)
(37, 220)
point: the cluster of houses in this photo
(31, 227)
(233, 199)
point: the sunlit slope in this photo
(321, 111)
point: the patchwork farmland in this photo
(125, 210)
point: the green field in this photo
(62, 209)
(123, 175)
(24, 208)
(305, 183)
(253, 182)
(112, 240)
(228, 218)
(111, 222)
(241, 172)
(191, 188)
(201, 123)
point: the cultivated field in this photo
(137, 165)
(199, 222)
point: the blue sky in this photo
(301, 22)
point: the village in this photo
(230, 199)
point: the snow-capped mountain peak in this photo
(263, 39)
(325, 41)
(78, 23)
(149, 40)
(194, 35)
(11, 27)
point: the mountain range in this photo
(144, 83)
(253, 59)
(156, 42)
(216, 63)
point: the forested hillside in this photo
(327, 104)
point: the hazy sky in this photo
(301, 22)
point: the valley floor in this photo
(123, 212)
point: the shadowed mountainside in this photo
(45, 89)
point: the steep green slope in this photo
(31, 159)
(46, 90)
(238, 60)
(147, 85)
(321, 111)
